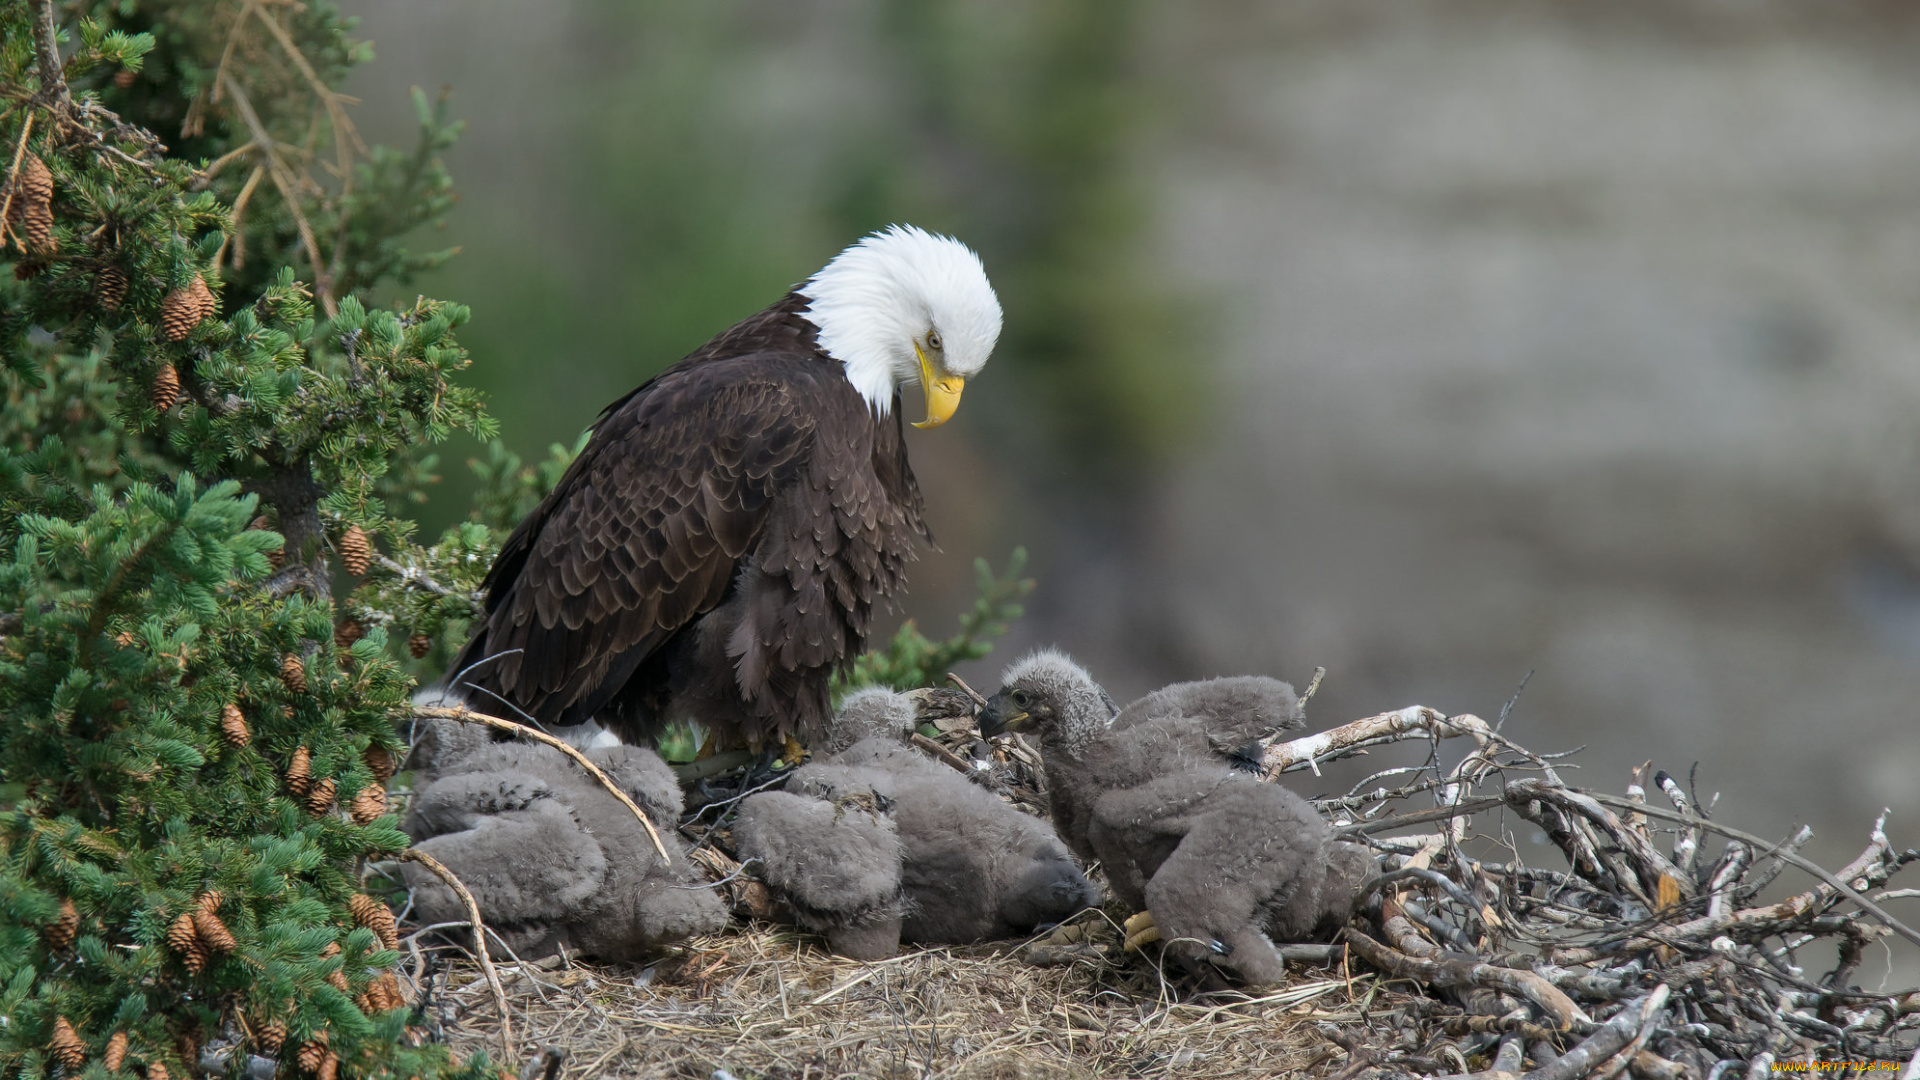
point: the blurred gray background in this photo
(1435, 344)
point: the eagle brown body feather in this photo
(715, 552)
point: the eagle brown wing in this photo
(759, 481)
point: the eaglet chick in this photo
(1224, 862)
(549, 855)
(970, 867)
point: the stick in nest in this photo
(468, 716)
(479, 941)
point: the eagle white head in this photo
(906, 306)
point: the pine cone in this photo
(379, 760)
(60, 932)
(233, 725)
(124, 78)
(356, 551)
(312, 1052)
(210, 901)
(368, 805)
(166, 388)
(35, 182)
(300, 772)
(36, 229)
(277, 558)
(179, 314)
(209, 307)
(388, 986)
(67, 1048)
(32, 206)
(294, 674)
(338, 980)
(419, 645)
(369, 912)
(116, 1052)
(184, 939)
(320, 799)
(110, 287)
(213, 931)
(156, 1071)
(329, 1068)
(348, 632)
(272, 1037)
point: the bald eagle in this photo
(720, 545)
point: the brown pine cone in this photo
(233, 725)
(35, 181)
(36, 229)
(356, 550)
(116, 1052)
(166, 388)
(179, 314)
(329, 1068)
(294, 674)
(419, 645)
(312, 1052)
(124, 78)
(209, 307)
(213, 931)
(181, 934)
(110, 287)
(368, 805)
(388, 987)
(369, 912)
(184, 939)
(156, 1071)
(271, 1037)
(277, 558)
(300, 772)
(67, 1047)
(320, 799)
(210, 901)
(338, 980)
(380, 760)
(348, 632)
(60, 932)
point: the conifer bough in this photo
(145, 628)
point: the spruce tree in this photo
(206, 425)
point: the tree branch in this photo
(479, 940)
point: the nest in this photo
(1654, 942)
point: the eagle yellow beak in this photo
(943, 391)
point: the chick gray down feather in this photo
(551, 858)
(1226, 863)
(837, 864)
(971, 868)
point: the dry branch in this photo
(479, 928)
(1414, 721)
(1452, 973)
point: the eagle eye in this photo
(933, 340)
(1020, 698)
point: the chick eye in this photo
(1020, 698)
(933, 339)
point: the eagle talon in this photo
(1140, 931)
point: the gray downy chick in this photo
(1234, 716)
(837, 865)
(971, 868)
(551, 858)
(1222, 860)
(974, 868)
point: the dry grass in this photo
(774, 1003)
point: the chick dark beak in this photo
(1000, 716)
